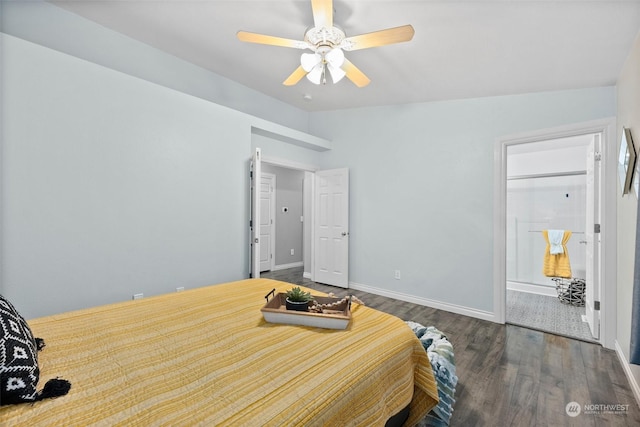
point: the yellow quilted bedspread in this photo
(207, 357)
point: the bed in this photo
(206, 356)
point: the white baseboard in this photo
(285, 266)
(453, 308)
(306, 275)
(532, 289)
(633, 383)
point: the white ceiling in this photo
(461, 49)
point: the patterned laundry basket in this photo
(570, 291)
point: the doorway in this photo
(324, 220)
(605, 217)
(285, 216)
(547, 196)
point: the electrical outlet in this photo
(396, 274)
(180, 289)
(292, 252)
(138, 296)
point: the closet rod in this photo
(540, 231)
(546, 175)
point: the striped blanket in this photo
(207, 357)
(440, 352)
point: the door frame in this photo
(255, 176)
(607, 128)
(307, 198)
(592, 239)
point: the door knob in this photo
(344, 233)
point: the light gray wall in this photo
(113, 185)
(48, 25)
(421, 193)
(628, 91)
(288, 225)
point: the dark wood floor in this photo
(513, 376)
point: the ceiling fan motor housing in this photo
(322, 40)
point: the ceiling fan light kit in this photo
(316, 64)
(328, 43)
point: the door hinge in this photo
(251, 174)
(596, 305)
(250, 223)
(597, 156)
(596, 228)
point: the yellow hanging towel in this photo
(556, 265)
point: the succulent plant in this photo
(298, 295)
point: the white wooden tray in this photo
(275, 311)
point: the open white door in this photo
(254, 222)
(331, 227)
(592, 224)
(267, 215)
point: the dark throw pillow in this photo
(19, 372)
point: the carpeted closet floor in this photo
(547, 314)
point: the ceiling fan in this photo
(327, 42)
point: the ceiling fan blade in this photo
(270, 40)
(295, 77)
(354, 74)
(322, 13)
(379, 38)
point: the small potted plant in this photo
(297, 299)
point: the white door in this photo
(267, 215)
(331, 227)
(254, 223)
(592, 290)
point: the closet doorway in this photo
(284, 216)
(598, 230)
(546, 198)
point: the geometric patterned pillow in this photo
(19, 370)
